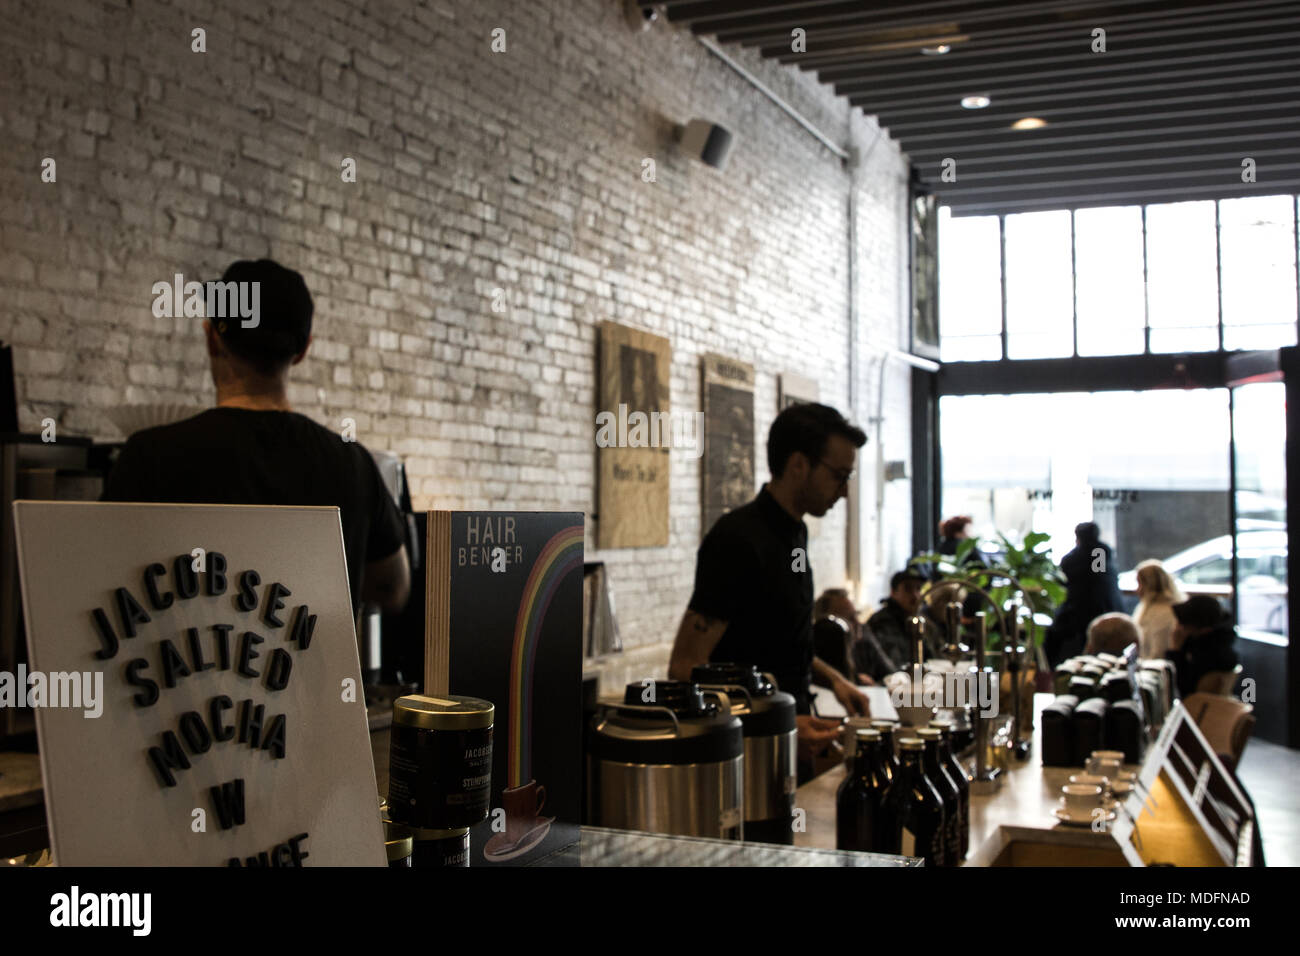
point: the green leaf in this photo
(1035, 538)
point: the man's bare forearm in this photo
(697, 635)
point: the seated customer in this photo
(891, 624)
(1157, 594)
(1111, 634)
(841, 641)
(1202, 641)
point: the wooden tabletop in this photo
(1028, 794)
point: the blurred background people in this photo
(890, 624)
(1092, 589)
(1201, 642)
(1158, 592)
(838, 631)
(1111, 634)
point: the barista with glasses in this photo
(753, 598)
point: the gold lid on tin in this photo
(427, 835)
(399, 848)
(443, 713)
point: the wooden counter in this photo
(1026, 798)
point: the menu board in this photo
(197, 690)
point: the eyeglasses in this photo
(843, 474)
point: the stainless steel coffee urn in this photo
(669, 759)
(767, 718)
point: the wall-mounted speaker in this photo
(707, 142)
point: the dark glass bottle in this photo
(948, 755)
(913, 810)
(888, 746)
(937, 774)
(857, 804)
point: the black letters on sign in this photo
(107, 636)
(195, 732)
(129, 609)
(216, 573)
(196, 651)
(148, 695)
(246, 599)
(216, 707)
(186, 578)
(304, 623)
(160, 602)
(250, 723)
(277, 669)
(168, 756)
(275, 595)
(275, 736)
(172, 663)
(246, 653)
(223, 644)
(299, 854)
(228, 801)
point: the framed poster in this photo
(200, 690)
(633, 437)
(925, 275)
(794, 390)
(728, 471)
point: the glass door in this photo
(1257, 571)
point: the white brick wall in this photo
(475, 171)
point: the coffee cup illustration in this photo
(523, 806)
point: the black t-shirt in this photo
(239, 456)
(746, 574)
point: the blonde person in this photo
(1157, 592)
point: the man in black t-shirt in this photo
(753, 598)
(253, 449)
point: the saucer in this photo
(498, 850)
(1082, 820)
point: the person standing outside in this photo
(753, 597)
(1092, 589)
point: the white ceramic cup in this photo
(1091, 780)
(1081, 797)
(1105, 766)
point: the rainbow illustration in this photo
(560, 556)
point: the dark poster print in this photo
(728, 470)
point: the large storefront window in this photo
(1151, 468)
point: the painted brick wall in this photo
(477, 171)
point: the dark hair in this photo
(283, 321)
(1087, 531)
(822, 606)
(807, 427)
(907, 574)
(953, 526)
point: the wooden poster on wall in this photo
(633, 436)
(728, 470)
(794, 390)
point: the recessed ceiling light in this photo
(939, 50)
(1029, 122)
(975, 102)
